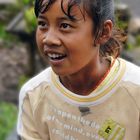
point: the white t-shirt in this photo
(49, 111)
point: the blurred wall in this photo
(134, 6)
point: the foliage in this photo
(27, 7)
(8, 117)
(123, 25)
(3, 33)
(122, 17)
(16, 8)
(6, 37)
(27, 1)
(22, 80)
(30, 19)
(138, 40)
(128, 46)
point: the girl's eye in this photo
(42, 25)
(65, 26)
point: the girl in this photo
(88, 92)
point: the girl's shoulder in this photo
(132, 73)
(131, 82)
(34, 82)
(43, 76)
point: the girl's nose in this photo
(51, 38)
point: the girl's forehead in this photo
(67, 7)
(64, 4)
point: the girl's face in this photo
(67, 44)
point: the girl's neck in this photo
(85, 81)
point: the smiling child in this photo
(88, 92)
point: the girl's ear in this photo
(106, 32)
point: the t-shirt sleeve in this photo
(28, 130)
(29, 126)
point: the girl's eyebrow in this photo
(59, 19)
(66, 18)
(40, 16)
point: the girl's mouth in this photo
(56, 56)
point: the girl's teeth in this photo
(54, 56)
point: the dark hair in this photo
(99, 11)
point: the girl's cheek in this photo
(39, 38)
